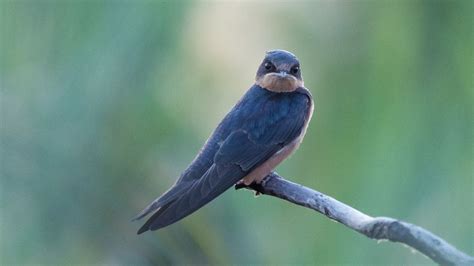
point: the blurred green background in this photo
(104, 103)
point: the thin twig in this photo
(391, 229)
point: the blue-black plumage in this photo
(260, 131)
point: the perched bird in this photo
(262, 129)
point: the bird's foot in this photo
(255, 186)
(252, 186)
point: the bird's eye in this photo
(294, 70)
(268, 66)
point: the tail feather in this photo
(197, 195)
(172, 194)
(146, 226)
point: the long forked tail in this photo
(196, 195)
(172, 194)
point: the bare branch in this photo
(391, 229)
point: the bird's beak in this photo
(282, 74)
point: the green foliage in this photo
(104, 103)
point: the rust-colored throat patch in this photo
(279, 82)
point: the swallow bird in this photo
(265, 126)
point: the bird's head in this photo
(279, 72)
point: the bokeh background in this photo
(103, 104)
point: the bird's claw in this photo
(257, 187)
